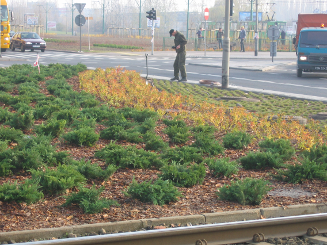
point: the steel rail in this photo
(222, 233)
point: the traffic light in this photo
(154, 12)
(231, 7)
(150, 15)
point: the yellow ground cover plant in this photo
(124, 88)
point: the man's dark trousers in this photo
(179, 64)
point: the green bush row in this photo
(116, 46)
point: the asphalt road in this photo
(280, 80)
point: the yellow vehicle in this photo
(5, 26)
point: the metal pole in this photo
(72, 17)
(140, 20)
(80, 33)
(103, 18)
(46, 21)
(256, 41)
(226, 48)
(205, 39)
(188, 13)
(88, 31)
(0, 31)
(152, 40)
(251, 18)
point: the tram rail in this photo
(223, 233)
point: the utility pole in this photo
(46, 15)
(256, 40)
(226, 48)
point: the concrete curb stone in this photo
(136, 225)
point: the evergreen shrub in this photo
(282, 147)
(222, 166)
(236, 140)
(246, 192)
(260, 160)
(158, 192)
(89, 200)
(82, 137)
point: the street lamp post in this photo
(256, 41)
(226, 48)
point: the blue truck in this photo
(311, 43)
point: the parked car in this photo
(11, 33)
(27, 40)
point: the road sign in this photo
(80, 6)
(206, 14)
(273, 33)
(80, 20)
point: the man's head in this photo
(172, 32)
(201, 29)
(220, 29)
(242, 27)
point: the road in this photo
(279, 79)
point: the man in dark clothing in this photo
(282, 36)
(179, 64)
(242, 37)
(220, 35)
(200, 37)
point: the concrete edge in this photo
(135, 225)
(236, 68)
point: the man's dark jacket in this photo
(180, 40)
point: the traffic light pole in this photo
(226, 48)
(256, 41)
(152, 40)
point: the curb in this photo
(235, 68)
(136, 225)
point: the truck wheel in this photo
(299, 73)
(3, 50)
(22, 48)
(12, 47)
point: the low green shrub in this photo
(207, 144)
(177, 135)
(236, 140)
(130, 135)
(138, 115)
(282, 147)
(222, 166)
(93, 171)
(111, 133)
(10, 134)
(317, 153)
(83, 136)
(89, 200)
(246, 192)
(27, 192)
(53, 127)
(158, 192)
(185, 154)
(56, 181)
(5, 115)
(129, 157)
(307, 170)
(27, 159)
(83, 122)
(260, 160)
(154, 142)
(5, 165)
(183, 175)
(22, 120)
(67, 114)
(148, 125)
(204, 129)
(178, 123)
(101, 113)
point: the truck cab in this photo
(312, 50)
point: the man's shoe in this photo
(183, 79)
(174, 79)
